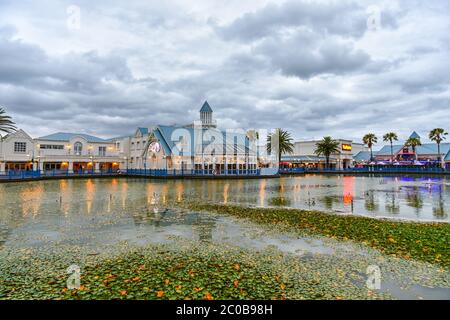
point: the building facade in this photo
(304, 155)
(403, 154)
(196, 146)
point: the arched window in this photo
(77, 148)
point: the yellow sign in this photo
(346, 147)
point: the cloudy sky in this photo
(340, 68)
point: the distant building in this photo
(427, 153)
(199, 146)
(304, 155)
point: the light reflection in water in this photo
(415, 198)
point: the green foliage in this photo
(6, 124)
(285, 144)
(326, 147)
(422, 241)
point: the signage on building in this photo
(346, 147)
(155, 147)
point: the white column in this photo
(2, 167)
(97, 167)
(70, 167)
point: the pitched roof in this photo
(363, 156)
(426, 148)
(165, 134)
(447, 157)
(66, 136)
(386, 150)
(414, 135)
(143, 131)
(206, 107)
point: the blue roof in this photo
(206, 107)
(414, 135)
(143, 131)
(66, 136)
(386, 150)
(425, 148)
(362, 156)
(165, 135)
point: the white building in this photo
(60, 151)
(196, 146)
(304, 155)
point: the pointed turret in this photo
(206, 115)
(414, 135)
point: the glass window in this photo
(102, 151)
(78, 148)
(20, 147)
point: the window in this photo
(52, 146)
(20, 147)
(78, 148)
(102, 151)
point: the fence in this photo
(374, 169)
(192, 172)
(29, 174)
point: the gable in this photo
(19, 134)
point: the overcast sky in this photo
(315, 68)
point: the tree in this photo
(6, 124)
(284, 140)
(413, 142)
(391, 137)
(326, 147)
(438, 135)
(370, 139)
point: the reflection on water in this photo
(426, 198)
(97, 214)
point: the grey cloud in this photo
(303, 66)
(345, 18)
(305, 56)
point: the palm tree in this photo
(438, 135)
(285, 144)
(413, 142)
(326, 147)
(370, 139)
(6, 124)
(391, 137)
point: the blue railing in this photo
(192, 172)
(374, 169)
(29, 174)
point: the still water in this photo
(98, 215)
(415, 198)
